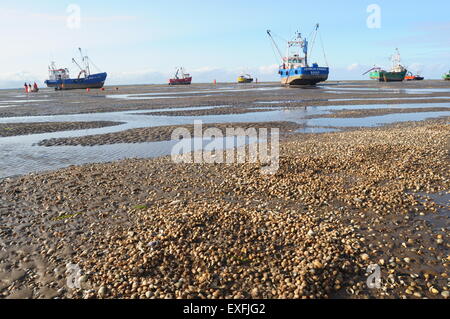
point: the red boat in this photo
(412, 77)
(181, 78)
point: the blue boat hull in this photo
(304, 76)
(93, 81)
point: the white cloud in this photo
(146, 76)
(268, 69)
(353, 66)
(27, 17)
(17, 79)
(416, 67)
(205, 69)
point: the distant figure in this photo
(29, 88)
(26, 87)
(35, 87)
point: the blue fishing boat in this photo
(295, 69)
(59, 78)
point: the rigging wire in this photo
(323, 49)
(313, 43)
(97, 68)
(275, 53)
(278, 36)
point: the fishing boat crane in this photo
(275, 43)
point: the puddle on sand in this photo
(185, 94)
(355, 99)
(442, 218)
(191, 108)
(20, 159)
(5, 106)
(372, 121)
(23, 101)
(391, 99)
(139, 97)
(388, 106)
(341, 90)
(317, 130)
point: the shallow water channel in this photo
(20, 154)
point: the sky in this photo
(142, 42)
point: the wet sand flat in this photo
(374, 193)
(155, 229)
(161, 133)
(16, 129)
(161, 96)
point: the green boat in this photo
(385, 76)
(397, 73)
(447, 76)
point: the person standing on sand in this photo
(35, 87)
(26, 87)
(29, 88)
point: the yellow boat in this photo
(245, 79)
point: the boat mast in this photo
(299, 43)
(305, 50)
(396, 58)
(85, 60)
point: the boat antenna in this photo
(85, 60)
(395, 58)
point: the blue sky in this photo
(143, 41)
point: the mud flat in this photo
(160, 133)
(150, 228)
(209, 111)
(378, 112)
(151, 97)
(154, 229)
(16, 129)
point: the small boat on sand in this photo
(397, 73)
(447, 76)
(413, 77)
(246, 78)
(181, 78)
(59, 78)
